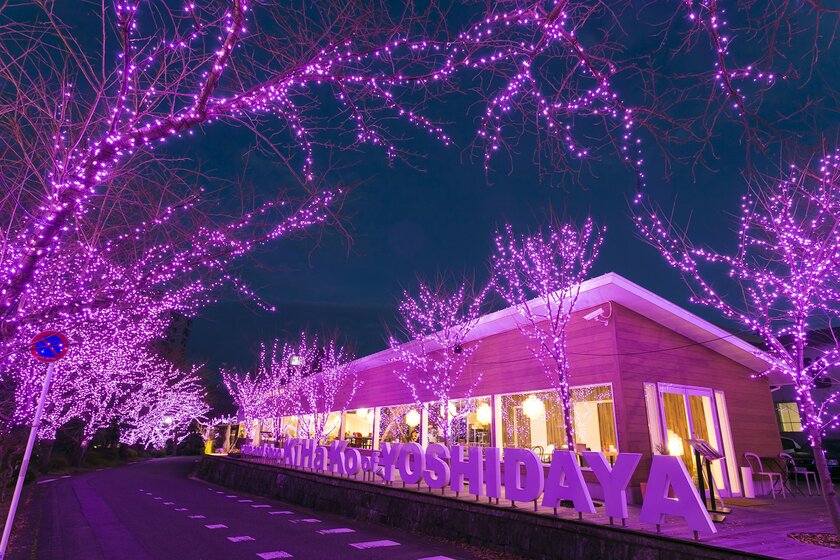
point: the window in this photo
(358, 428)
(535, 420)
(469, 419)
(788, 415)
(399, 423)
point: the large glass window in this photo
(469, 422)
(320, 426)
(399, 423)
(594, 417)
(358, 428)
(535, 420)
(788, 416)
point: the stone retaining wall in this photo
(517, 531)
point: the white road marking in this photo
(197, 517)
(51, 480)
(309, 520)
(373, 544)
(97, 470)
(280, 512)
(217, 526)
(232, 496)
(169, 503)
(246, 501)
(260, 506)
(273, 555)
(180, 509)
(436, 558)
(148, 493)
(140, 489)
(158, 498)
(240, 539)
(66, 476)
(336, 531)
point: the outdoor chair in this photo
(794, 470)
(754, 461)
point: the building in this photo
(825, 388)
(646, 376)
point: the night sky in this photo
(406, 222)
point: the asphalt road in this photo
(152, 510)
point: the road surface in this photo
(152, 510)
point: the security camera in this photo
(598, 315)
(592, 315)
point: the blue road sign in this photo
(49, 346)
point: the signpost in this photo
(49, 347)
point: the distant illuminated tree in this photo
(781, 283)
(432, 359)
(310, 380)
(540, 275)
(250, 392)
(162, 407)
(323, 381)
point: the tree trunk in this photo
(828, 491)
(45, 449)
(82, 453)
(566, 404)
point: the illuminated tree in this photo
(434, 355)
(311, 380)
(164, 404)
(540, 275)
(250, 393)
(396, 422)
(781, 283)
(323, 382)
(88, 101)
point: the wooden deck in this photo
(756, 529)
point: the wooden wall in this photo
(749, 403)
(506, 365)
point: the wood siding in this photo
(651, 353)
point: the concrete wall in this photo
(515, 531)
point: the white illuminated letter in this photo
(669, 473)
(565, 482)
(471, 469)
(412, 463)
(614, 480)
(436, 474)
(534, 478)
(493, 472)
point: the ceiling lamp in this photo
(533, 407)
(412, 418)
(484, 414)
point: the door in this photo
(691, 413)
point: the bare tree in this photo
(781, 282)
(435, 352)
(540, 274)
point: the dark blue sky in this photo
(407, 222)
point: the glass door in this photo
(691, 413)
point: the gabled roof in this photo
(614, 287)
